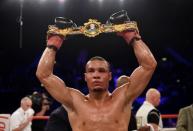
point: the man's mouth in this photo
(97, 83)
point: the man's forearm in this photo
(143, 54)
(46, 64)
(21, 126)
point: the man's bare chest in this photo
(103, 112)
(106, 117)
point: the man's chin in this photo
(98, 89)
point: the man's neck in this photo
(98, 97)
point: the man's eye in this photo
(102, 70)
(90, 70)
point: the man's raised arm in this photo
(54, 85)
(147, 64)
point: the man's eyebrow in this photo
(90, 68)
(102, 68)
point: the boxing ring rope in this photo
(167, 116)
(164, 116)
(4, 117)
(40, 117)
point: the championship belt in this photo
(117, 22)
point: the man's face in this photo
(26, 105)
(97, 75)
(157, 99)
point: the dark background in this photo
(166, 27)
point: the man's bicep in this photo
(58, 90)
(139, 80)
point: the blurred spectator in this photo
(41, 106)
(58, 120)
(185, 119)
(21, 119)
(147, 113)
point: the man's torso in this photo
(112, 115)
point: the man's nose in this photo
(96, 75)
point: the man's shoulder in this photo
(154, 112)
(75, 92)
(17, 112)
(146, 107)
(187, 108)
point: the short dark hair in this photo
(100, 59)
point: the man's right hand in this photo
(55, 41)
(129, 35)
(29, 119)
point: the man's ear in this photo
(110, 76)
(85, 77)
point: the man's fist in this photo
(54, 41)
(130, 35)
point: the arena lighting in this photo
(164, 59)
(178, 80)
(61, 1)
(41, 1)
(21, 24)
(100, 1)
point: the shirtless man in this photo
(99, 110)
